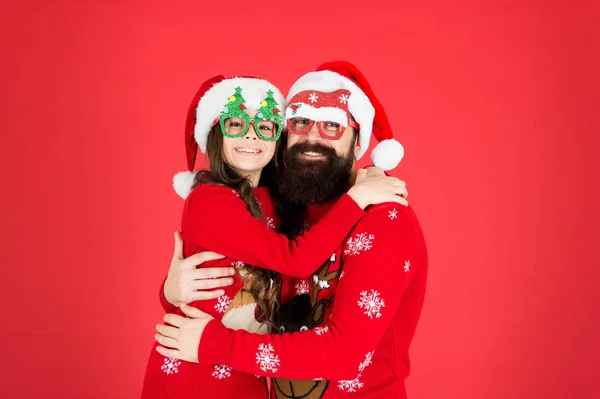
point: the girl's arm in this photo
(220, 221)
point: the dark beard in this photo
(303, 182)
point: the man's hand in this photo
(181, 339)
(185, 283)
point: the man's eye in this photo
(333, 124)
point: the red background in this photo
(495, 104)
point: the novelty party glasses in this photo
(235, 121)
(327, 129)
(238, 127)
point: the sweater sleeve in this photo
(366, 299)
(221, 222)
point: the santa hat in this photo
(362, 104)
(206, 107)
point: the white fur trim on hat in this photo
(359, 104)
(182, 183)
(387, 154)
(318, 114)
(216, 98)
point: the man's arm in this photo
(367, 297)
(186, 283)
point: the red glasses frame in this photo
(320, 130)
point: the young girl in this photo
(237, 122)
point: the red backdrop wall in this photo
(495, 105)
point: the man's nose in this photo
(313, 134)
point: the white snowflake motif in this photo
(344, 99)
(355, 384)
(350, 385)
(393, 214)
(367, 362)
(221, 371)
(318, 379)
(332, 259)
(170, 365)
(271, 223)
(407, 266)
(237, 264)
(222, 303)
(321, 330)
(313, 98)
(302, 287)
(342, 274)
(236, 193)
(372, 303)
(266, 358)
(362, 242)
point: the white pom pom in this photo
(182, 183)
(387, 154)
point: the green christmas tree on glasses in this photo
(236, 108)
(269, 111)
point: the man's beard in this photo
(314, 181)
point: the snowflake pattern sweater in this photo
(363, 306)
(216, 219)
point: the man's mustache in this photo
(298, 149)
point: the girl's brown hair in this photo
(265, 285)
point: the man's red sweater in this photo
(216, 219)
(365, 302)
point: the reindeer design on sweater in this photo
(243, 313)
(305, 312)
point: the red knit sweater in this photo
(365, 302)
(216, 219)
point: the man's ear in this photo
(356, 145)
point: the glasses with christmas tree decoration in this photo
(235, 120)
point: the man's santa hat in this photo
(361, 103)
(207, 105)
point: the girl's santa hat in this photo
(206, 107)
(362, 104)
